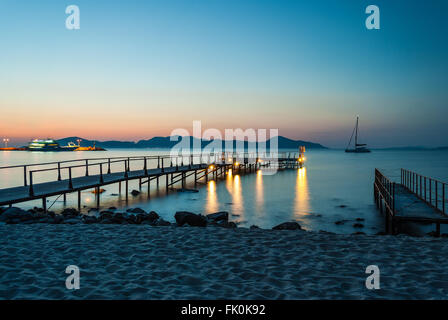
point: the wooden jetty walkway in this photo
(64, 177)
(416, 198)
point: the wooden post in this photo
(140, 184)
(97, 197)
(70, 183)
(108, 166)
(149, 188)
(437, 229)
(24, 176)
(127, 189)
(87, 167)
(31, 184)
(166, 180)
(59, 171)
(44, 204)
(119, 187)
(79, 201)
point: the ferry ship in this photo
(49, 145)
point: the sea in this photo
(332, 192)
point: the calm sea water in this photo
(333, 186)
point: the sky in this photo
(138, 69)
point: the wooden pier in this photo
(73, 176)
(416, 198)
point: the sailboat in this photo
(359, 147)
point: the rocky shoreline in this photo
(14, 215)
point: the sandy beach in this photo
(146, 262)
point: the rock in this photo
(89, 219)
(326, 232)
(342, 206)
(358, 233)
(106, 215)
(432, 234)
(381, 233)
(112, 208)
(135, 193)
(359, 219)
(70, 212)
(340, 222)
(14, 213)
(57, 219)
(92, 210)
(358, 225)
(291, 225)
(230, 225)
(192, 219)
(136, 210)
(254, 227)
(218, 216)
(160, 222)
(72, 220)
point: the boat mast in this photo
(356, 135)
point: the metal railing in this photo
(386, 191)
(431, 191)
(104, 165)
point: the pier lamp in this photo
(211, 167)
(5, 141)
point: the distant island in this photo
(166, 143)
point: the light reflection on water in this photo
(313, 195)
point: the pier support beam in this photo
(79, 201)
(44, 204)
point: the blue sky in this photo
(137, 69)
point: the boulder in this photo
(160, 222)
(358, 233)
(136, 210)
(72, 220)
(218, 216)
(358, 225)
(254, 227)
(14, 213)
(135, 193)
(192, 219)
(227, 224)
(89, 219)
(359, 219)
(70, 212)
(291, 225)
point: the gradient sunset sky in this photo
(138, 69)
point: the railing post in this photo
(163, 169)
(59, 171)
(430, 191)
(108, 166)
(24, 176)
(436, 182)
(101, 174)
(443, 197)
(125, 169)
(87, 168)
(70, 185)
(31, 184)
(145, 166)
(158, 162)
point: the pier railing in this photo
(100, 166)
(429, 190)
(385, 190)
